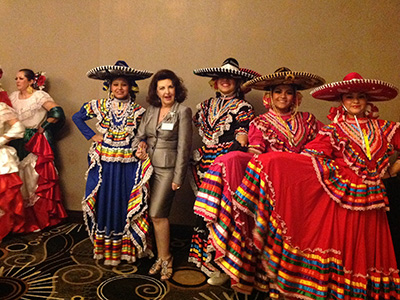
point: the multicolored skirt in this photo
(309, 246)
(115, 209)
(200, 245)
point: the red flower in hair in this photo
(371, 111)
(41, 80)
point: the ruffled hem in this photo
(137, 224)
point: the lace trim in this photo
(101, 115)
(333, 197)
(225, 127)
(36, 102)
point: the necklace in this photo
(361, 135)
(163, 113)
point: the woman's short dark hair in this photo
(180, 89)
(29, 74)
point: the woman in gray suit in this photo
(165, 135)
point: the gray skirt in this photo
(161, 193)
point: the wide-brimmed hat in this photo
(376, 90)
(301, 80)
(120, 68)
(230, 67)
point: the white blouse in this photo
(31, 111)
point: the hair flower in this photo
(40, 80)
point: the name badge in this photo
(167, 126)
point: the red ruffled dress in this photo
(230, 227)
(321, 225)
(12, 213)
(41, 189)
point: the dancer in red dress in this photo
(42, 118)
(282, 128)
(321, 225)
(12, 214)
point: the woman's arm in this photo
(79, 119)
(139, 145)
(55, 114)
(184, 147)
(15, 131)
(243, 119)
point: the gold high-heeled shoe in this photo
(156, 267)
(166, 268)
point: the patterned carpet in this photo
(57, 264)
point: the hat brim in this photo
(301, 80)
(220, 72)
(376, 90)
(112, 71)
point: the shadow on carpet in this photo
(57, 263)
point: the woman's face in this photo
(166, 92)
(282, 98)
(226, 86)
(22, 82)
(120, 88)
(355, 104)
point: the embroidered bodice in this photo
(118, 121)
(268, 133)
(220, 119)
(342, 164)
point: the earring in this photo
(112, 95)
(29, 89)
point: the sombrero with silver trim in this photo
(376, 90)
(284, 75)
(230, 67)
(119, 69)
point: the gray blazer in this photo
(168, 143)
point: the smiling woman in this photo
(223, 123)
(321, 228)
(115, 198)
(167, 130)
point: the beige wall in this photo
(67, 38)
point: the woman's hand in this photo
(175, 186)
(141, 151)
(394, 169)
(242, 139)
(142, 146)
(97, 138)
(254, 151)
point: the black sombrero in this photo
(119, 69)
(301, 80)
(230, 67)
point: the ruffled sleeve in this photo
(42, 97)
(256, 137)
(243, 118)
